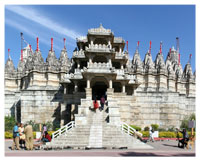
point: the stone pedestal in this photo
(114, 115)
(151, 83)
(110, 93)
(88, 93)
(171, 84)
(62, 113)
(162, 80)
(191, 89)
(140, 79)
(181, 88)
(52, 79)
(39, 79)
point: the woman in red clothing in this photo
(47, 137)
(96, 104)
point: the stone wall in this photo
(166, 109)
(40, 105)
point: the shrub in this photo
(145, 133)
(167, 134)
(136, 127)
(146, 128)
(172, 129)
(185, 121)
(161, 129)
(9, 123)
(155, 127)
(49, 126)
(8, 135)
(34, 125)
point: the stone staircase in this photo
(96, 134)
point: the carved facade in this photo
(138, 92)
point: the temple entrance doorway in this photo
(99, 89)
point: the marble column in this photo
(110, 83)
(88, 83)
(88, 90)
(123, 88)
(109, 44)
(78, 64)
(120, 49)
(122, 66)
(75, 86)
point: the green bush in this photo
(172, 129)
(167, 135)
(155, 127)
(145, 133)
(8, 135)
(161, 129)
(185, 121)
(49, 126)
(35, 126)
(146, 128)
(136, 127)
(9, 123)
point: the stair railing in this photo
(129, 130)
(63, 129)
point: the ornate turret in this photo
(52, 62)
(100, 31)
(187, 73)
(137, 63)
(160, 63)
(148, 62)
(10, 70)
(64, 60)
(29, 63)
(178, 71)
(169, 66)
(174, 56)
(38, 61)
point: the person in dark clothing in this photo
(185, 139)
(46, 137)
(102, 101)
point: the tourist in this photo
(15, 137)
(29, 137)
(44, 129)
(46, 137)
(151, 131)
(21, 136)
(102, 101)
(95, 104)
(185, 139)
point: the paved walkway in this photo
(161, 148)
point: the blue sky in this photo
(131, 22)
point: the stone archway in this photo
(99, 87)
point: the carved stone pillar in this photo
(78, 64)
(109, 44)
(120, 49)
(62, 113)
(75, 86)
(110, 83)
(88, 83)
(122, 66)
(123, 88)
(65, 88)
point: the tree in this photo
(185, 121)
(9, 123)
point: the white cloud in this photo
(22, 28)
(35, 16)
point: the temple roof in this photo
(100, 31)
